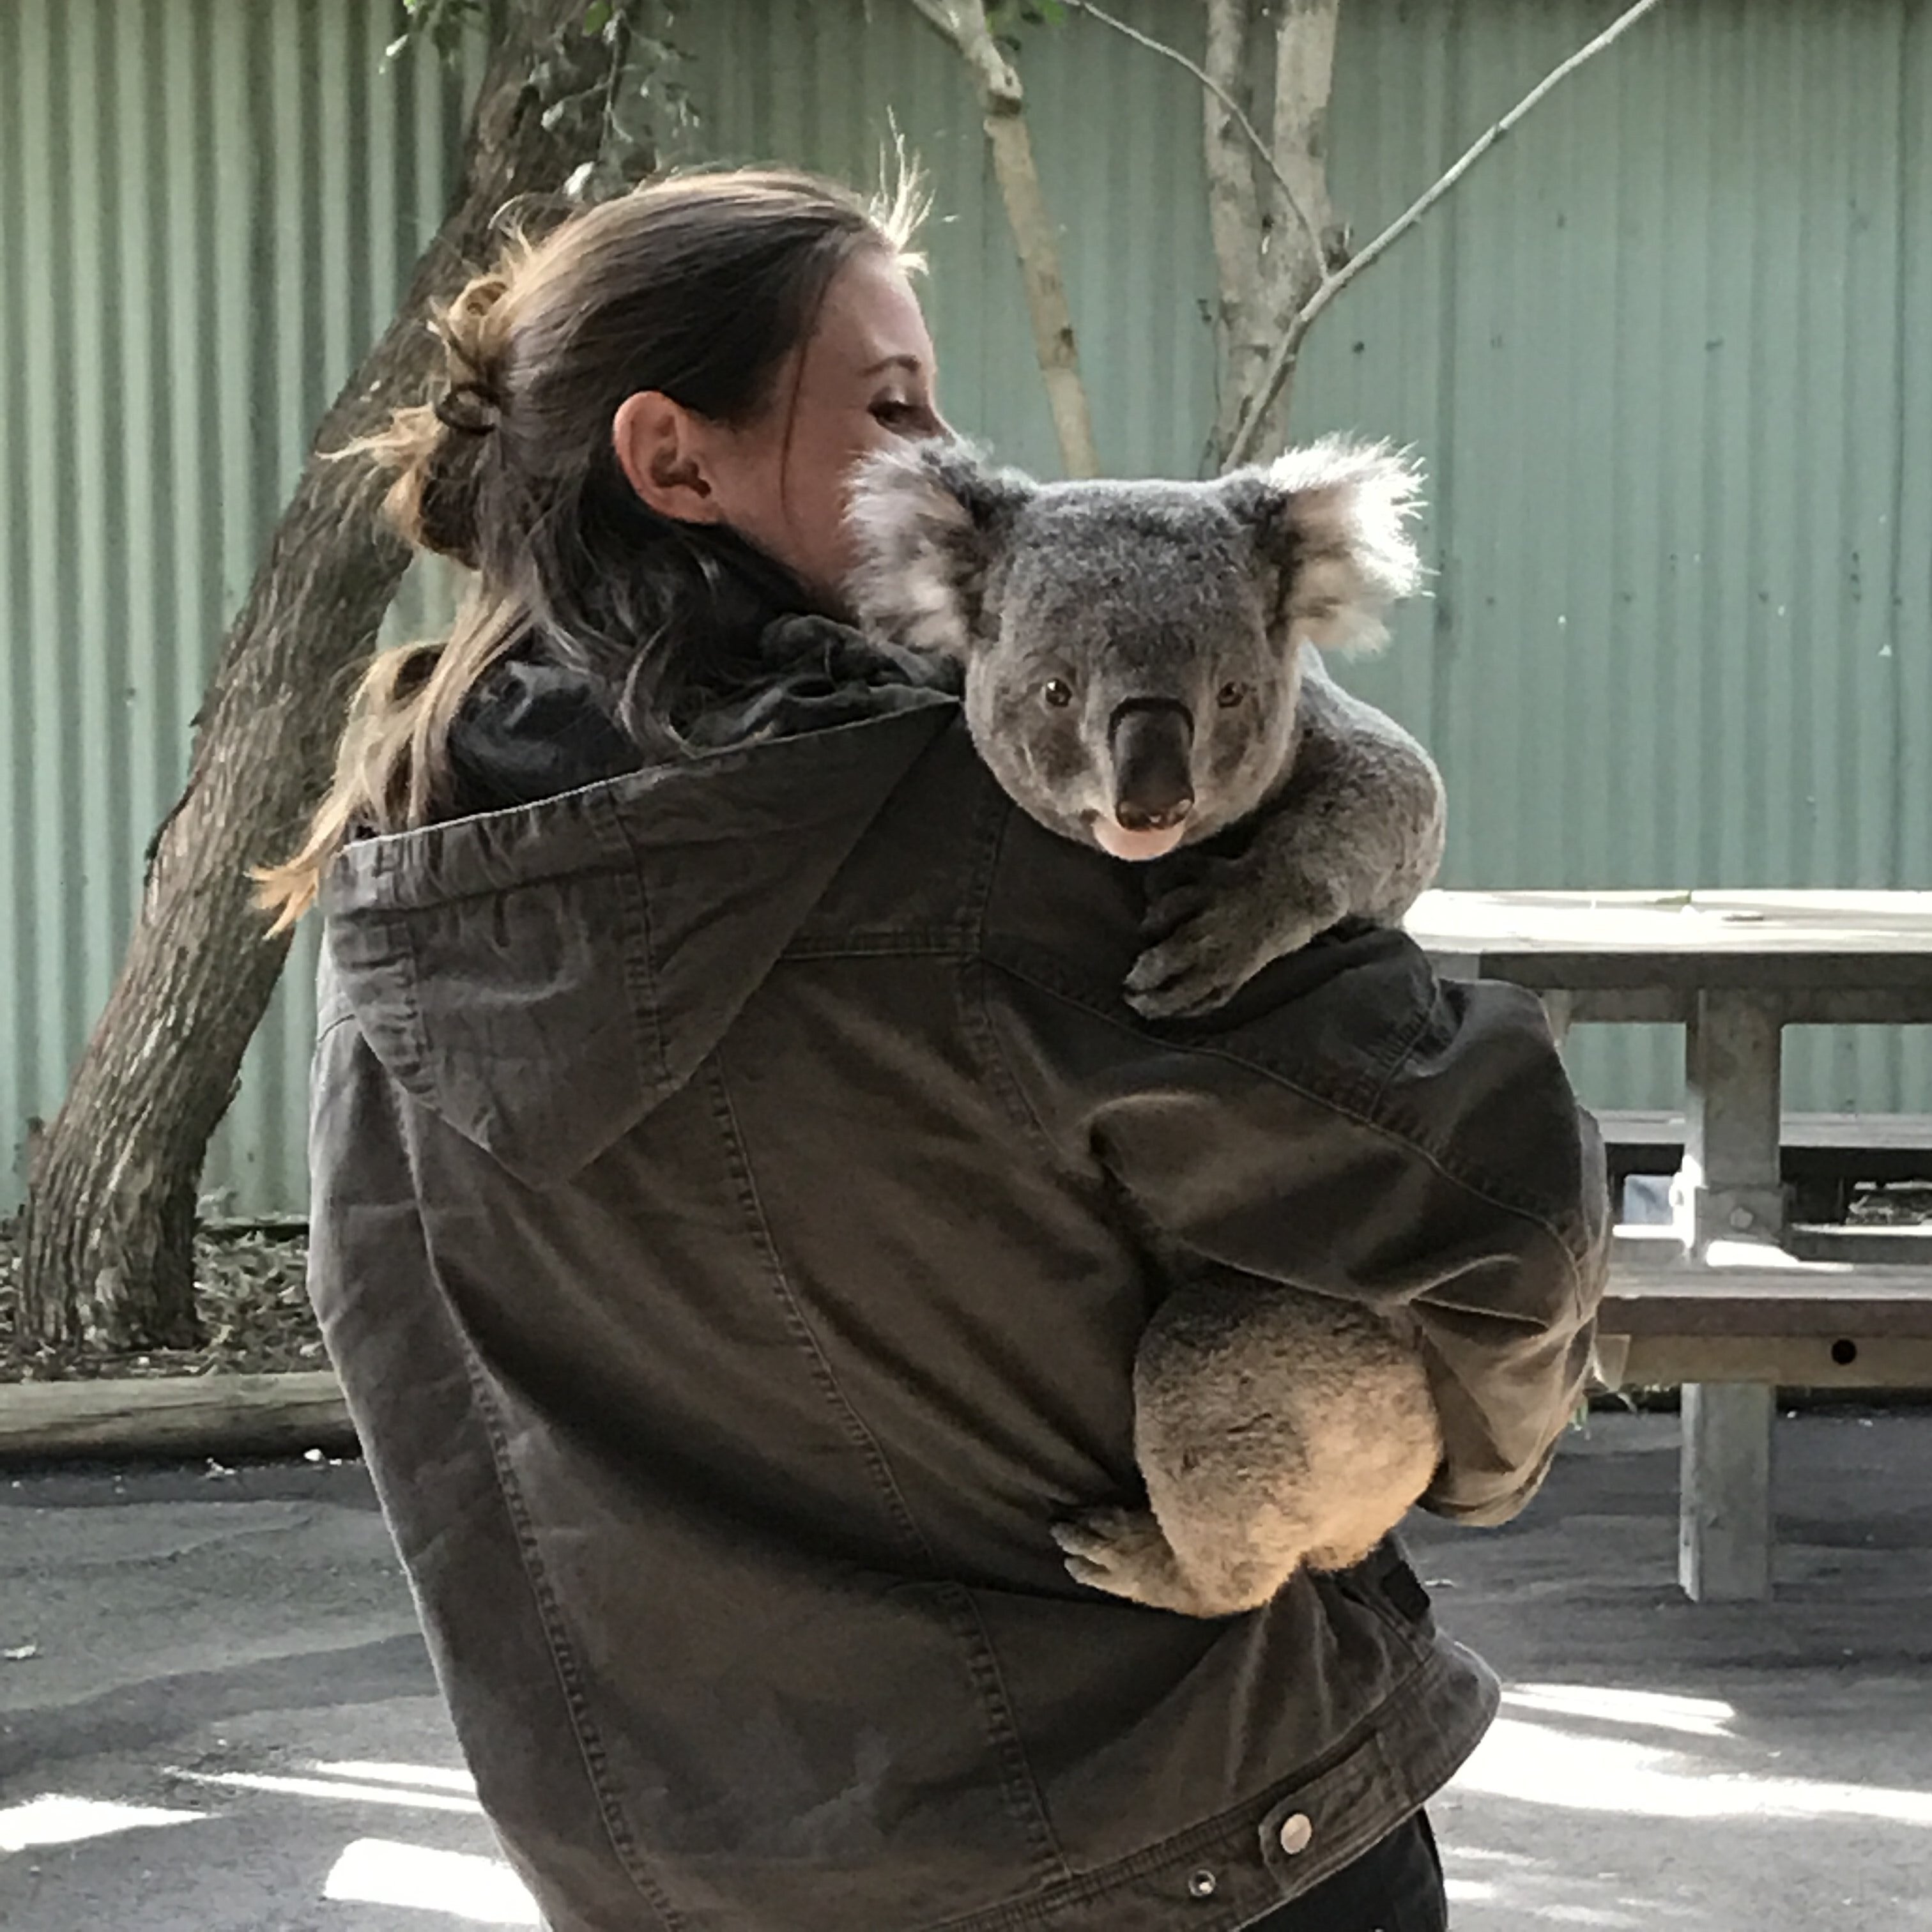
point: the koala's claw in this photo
(1159, 987)
(1211, 933)
(1205, 960)
(1122, 1552)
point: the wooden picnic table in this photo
(1724, 1302)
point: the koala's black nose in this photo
(1153, 743)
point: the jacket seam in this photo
(1542, 1223)
(983, 1660)
(1002, 1074)
(1025, 1804)
(909, 943)
(997, 810)
(563, 1657)
(1399, 1058)
(640, 961)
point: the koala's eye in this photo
(1230, 695)
(1058, 692)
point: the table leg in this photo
(1724, 1532)
(1729, 1189)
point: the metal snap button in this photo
(1297, 1833)
(1203, 1885)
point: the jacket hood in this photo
(542, 977)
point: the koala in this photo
(1142, 673)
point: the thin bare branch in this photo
(1036, 240)
(1220, 94)
(1283, 364)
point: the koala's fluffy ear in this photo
(932, 519)
(1334, 518)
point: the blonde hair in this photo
(701, 285)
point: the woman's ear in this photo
(658, 445)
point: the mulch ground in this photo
(249, 1295)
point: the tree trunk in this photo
(1003, 104)
(107, 1256)
(1053, 339)
(1233, 222)
(1272, 253)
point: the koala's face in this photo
(1131, 649)
(1128, 685)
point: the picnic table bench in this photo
(1733, 1300)
(1823, 1159)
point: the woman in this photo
(733, 1163)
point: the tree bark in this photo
(1003, 104)
(1275, 234)
(1234, 220)
(107, 1258)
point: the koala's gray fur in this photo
(1161, 597)
(1174, 628)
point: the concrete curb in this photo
(174, 1416)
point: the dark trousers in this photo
(1397, 1887)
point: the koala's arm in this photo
(1355, 831)
(1350, 1126)
(1359, 824)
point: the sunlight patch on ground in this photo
(423, 1776)
(1696, 1717)
(54, 1820)
(1535, 1765)
(1481, 1855)
(318, 1787)
(459, 1885)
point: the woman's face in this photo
(864, 379)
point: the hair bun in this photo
(470, 409)
(434, 500)
(473, 329)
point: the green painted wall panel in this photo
(207, 208)
(1667, 354)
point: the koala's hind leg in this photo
(1274, 1430)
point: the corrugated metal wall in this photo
(1668, 353)
(207, 210)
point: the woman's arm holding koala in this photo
(1350, 1126)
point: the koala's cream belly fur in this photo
(1275, 1429)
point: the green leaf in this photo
(597, 16)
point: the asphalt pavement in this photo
(216, 1714)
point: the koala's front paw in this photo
(1122, 1552)
(1212, 933)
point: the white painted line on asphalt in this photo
(55, 1820)
(377, 1871)
(317, 1787)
